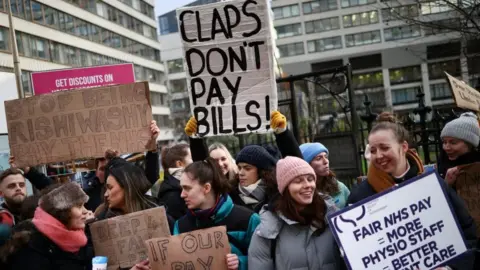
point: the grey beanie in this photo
(465, 128)
(63, 197)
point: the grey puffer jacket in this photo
(298, 247)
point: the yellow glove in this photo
(278, 122)
(191, 127)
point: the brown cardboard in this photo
(468, 188)
(465, 96)
(82, 123)
(122, 239)
(202, 249)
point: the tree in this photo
(438, 16)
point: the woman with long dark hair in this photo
(205, 191)
(126, 188)
(294, 233)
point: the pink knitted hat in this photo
(290, 168)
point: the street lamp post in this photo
(16, 59)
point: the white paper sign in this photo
(228, 57)
(409, 227)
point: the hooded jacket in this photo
(240, 222)
(169, 195)
(296, 246)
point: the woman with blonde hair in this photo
(220, 153)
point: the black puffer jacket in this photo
(467, 224)
(169, 195)
(444, 163)
(40, 253)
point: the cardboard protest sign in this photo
(202, 249)
(228, 52)
(468, 188)
(465, 96)
(122, 239)
(408, 227)
(78, 124)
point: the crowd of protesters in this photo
(274, 201)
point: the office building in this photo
(80, 33)
(391, 60)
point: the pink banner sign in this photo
(66, 79)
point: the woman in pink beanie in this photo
(294, 233)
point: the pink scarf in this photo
(67, 240)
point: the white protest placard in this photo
(408, 227)
(229, 60)
(465, 96)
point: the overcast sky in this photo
(164, 6)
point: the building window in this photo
(114, 15)
(364, 38)
(402, 32)
(436, 7)
(353, 3)
(404, 96)
(473, 63)
(399, 13)
(26, 83)
(440, 91)
(319, 6)
(437, 70)
(289, 30)
(4, 45)
(162, 120)
(37, 12)
(51, 17)
(158, 99)
(178, 86)
(363, 18)
(450, 49)
(442, 26)
(367, 80)
(324, 44)
(179, 105)
(141, 6)
(291, 49)
(37, 47)
(286, 12)
(139, 73)
(405, 75)
(322, 25)
(175, 66)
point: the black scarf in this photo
(444, 163)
